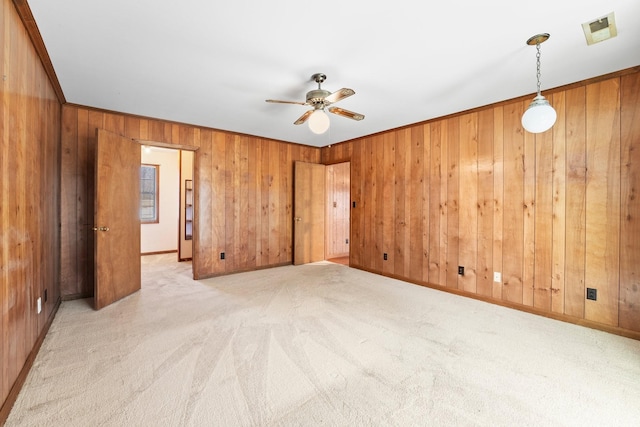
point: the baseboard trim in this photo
(244, 270)
(22, 376)
(159, 252)
(72, 297)
(532, 310)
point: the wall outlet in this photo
(346, 241)
(384, 256)
(39, 304)
(592, 294)
(45, 295)
(221, 255)
(461, 270)
(497, 277)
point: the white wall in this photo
(163, 236)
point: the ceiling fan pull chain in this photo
(538, 65)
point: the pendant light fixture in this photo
(540, 115)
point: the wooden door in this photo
(337, 208)
(116, 218)
(308, 213)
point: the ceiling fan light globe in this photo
(540, 116)
(319, 122)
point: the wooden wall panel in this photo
(243, 188)
(260, 204)
(559, 208)
(252, 204)
(485, 202)
(357, 225)
(285, 213)
(243, 211)
(603, 201)
(513, 212)
(529, 215)
(336, 153)
(378, 219)
(418, 228)
(367, 205)
(630, 203)
(552, 212)
(452, 194)
(468, 202)
(69, 162)
(274, 205)
(230, 187)
(402, 192)
(434, 209)
(386, 202)
(207, 211)
(498, 198)
(444, 207)
(576, 178)
(543, 227)
(30, 238)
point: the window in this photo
(149, 191)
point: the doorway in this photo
(338, 212)
(321, 213)
(170, 230)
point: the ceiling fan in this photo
(319, 99)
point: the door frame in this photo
(196, 183)
(307, 207)
(328, 208)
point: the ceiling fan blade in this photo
(303, 118)
(346, 113)
(285, 102)
(339, 94)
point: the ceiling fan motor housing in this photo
(317, 97)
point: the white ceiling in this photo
(213, 63)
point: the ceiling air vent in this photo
(602, 28)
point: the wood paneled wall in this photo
(554, 213)
(243, 187)
(29, 200)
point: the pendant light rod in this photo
(540, 116)
(536, 41)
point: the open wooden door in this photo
(116, 218)
(308, 213)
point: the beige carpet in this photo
(320, 344)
